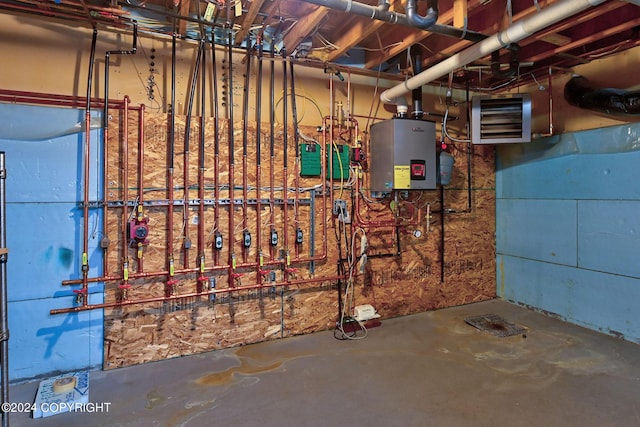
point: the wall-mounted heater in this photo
(403, 155)
(499, 120)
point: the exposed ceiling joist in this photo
(304, 27)
(248, 21)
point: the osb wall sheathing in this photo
(396, 285)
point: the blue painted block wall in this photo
(568, 227)
(44, 162)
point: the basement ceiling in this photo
(342, 33)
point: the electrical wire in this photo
(348, 300)
(444, 128)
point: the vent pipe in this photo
(513, 34)
(579, 93)
(416, 94)
(382, 13)
(423, 22)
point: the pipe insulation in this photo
(513, 34)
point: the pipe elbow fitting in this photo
(422, 22)
(383, 5)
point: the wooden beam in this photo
(355, 34)
(586, 40)
(417, 36)
(356, 30)
(303, 27)
(248, 20)
(459, 13)
(185, 7)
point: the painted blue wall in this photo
(44, 162)
(568, 227)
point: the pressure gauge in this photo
(417, 233)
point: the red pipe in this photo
(124, 286)
(245, 172)
(201, 256)
(272, 197)
(193, 294)
(105, 191)
(185, 206)
(140, 212)
(50, 96)
(259, 256)
(58, 103)
(232, 257)
(216, 196)
(84, 292)
(142, 275)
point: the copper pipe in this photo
(201, 262)
(550, 84)
(194, 294)
(184, 271)
(187, 136)
(230, 141)
(216, 149)
(38, 98)
(170, 170)
(272, 162)
(55, 14)
(84, 292)
(125, 195)
(140, 176)
(259, 255)
(296, 172)
(285, 174)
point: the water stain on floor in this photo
(253, 360)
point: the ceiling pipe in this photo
(513, 34)
(422, 22)
(382, 13)
(416, 94)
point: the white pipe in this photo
(516, 32)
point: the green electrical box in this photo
(311, 164)
(310, 160)
(340, 160)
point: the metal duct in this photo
(513, 34)
(381, 13)
(611, 101)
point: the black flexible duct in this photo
(578, 92)
(514, 62)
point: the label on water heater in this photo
(402, 177)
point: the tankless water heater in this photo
(403, 155)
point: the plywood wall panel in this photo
(395, 284)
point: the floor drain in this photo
(495, 325)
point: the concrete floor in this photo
(429, 369)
